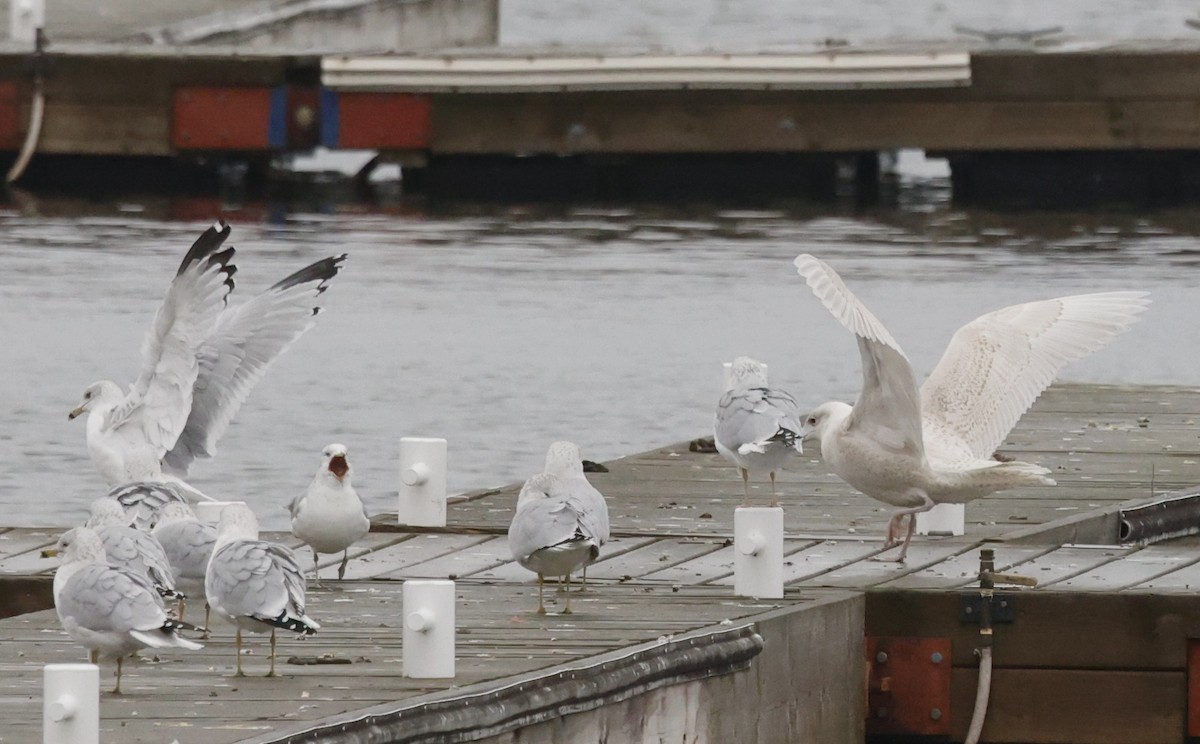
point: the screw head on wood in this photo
(936, 658)
(936, 714)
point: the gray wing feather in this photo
(251, 578)
(540, 524)
(247, 340)
(754, 415)
(104, 598)
(590, 506)
(188, 546)
(138, 551)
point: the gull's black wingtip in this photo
(321, 272)
(207, 245)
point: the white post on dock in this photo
(25, 17)
(943, 519)
(210, 511)
(728, 381)
(71, 704)
(422, 482)
(758, 552)
(428, 638)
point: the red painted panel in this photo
(11, 132)
(221, 118)
(386, 121)
(908, 686)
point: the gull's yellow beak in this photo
(50, 553)
(75, 412)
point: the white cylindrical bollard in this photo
(210, 511)
(422, 482)
(71, 704)
(727, 380)
(758, 552)
(943, 519)
(428, 608)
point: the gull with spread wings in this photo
(199, 362)
(916, 448)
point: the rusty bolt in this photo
(936, 714)
(881, 657)
(936, 658)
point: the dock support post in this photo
(943, 519)
(71, 704)
(422, 482)
(428, 608)
(210, 511)
(758, 552)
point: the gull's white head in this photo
(562, 460)
(80, 545)
(747, 373)
(335, 463)
(237, 522)
(175, 511)
(106, 511)
(98, 395)
(538, 486)
(821, 422)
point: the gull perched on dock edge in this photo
(915, 449)
(756, 427)
(199, 362)
(330, 517)
(554, 532)
(108, 610)
(256, 585)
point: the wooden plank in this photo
(1131, 570)
(963, 569)
(463, 562)
(866, 572)
(512, 572)
(649, 558)
(416, 549)
(1060, 706)
(1068, 561)
(715, 565)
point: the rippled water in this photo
(503, 331)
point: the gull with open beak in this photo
(329, 516)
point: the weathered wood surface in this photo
(190, 696)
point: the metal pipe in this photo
(983, 688)
(1166, 518)
(36, 111)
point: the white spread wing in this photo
(234, 358)
(159, 400)
(998, 364)
(888, 410)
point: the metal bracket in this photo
(908, 686)
(971, 605)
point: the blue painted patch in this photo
(331, 131)
(277, 125)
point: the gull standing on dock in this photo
(109, 610)
(553, 533)
(330, 517)
(129, 547)
(188, 544)
(915, 449)
(199, 362)
(256, 585)
(756, 427)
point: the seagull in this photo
(130, 548)
(109, 610)
(330, 517)
(188, 544)
(756, 427)
(564, 462)
(256, 585)
(199, 362)
(143, 501)
(915, 449)
(553, 533)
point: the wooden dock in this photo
(1098, 652)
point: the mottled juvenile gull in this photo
(256, 585)
(553, 533)
(188, 544)
(199, 362)
(756, 427)
(916, 449)
(130, 548)
(329, 516)
(108, 610)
